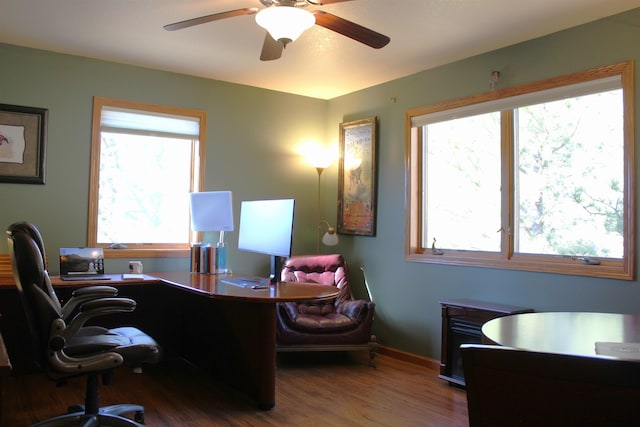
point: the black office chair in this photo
(509, 387)
(78, 296)
(63, 346)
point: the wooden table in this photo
(572, 333)
(227, 330)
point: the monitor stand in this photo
(276, 269)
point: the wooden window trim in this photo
(137, 251)
(506, 259)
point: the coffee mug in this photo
(135, 267)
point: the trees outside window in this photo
(538, 177)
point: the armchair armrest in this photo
(355, 309)
(87, 293)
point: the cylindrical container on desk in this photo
(211, 260)
(221, 258)
(204, 259)
(195, 258)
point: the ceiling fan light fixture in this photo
(285, 23)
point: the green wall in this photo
(407, 293)
(252, 139)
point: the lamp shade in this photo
(330, 239)
(285, 23)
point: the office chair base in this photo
(108, 416)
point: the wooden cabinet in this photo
(462, 321)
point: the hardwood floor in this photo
(313, 389)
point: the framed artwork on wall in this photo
(23, 136)
(357, 186)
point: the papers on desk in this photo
(129, 276)
(622, 350)
(247, 282)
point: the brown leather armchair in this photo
(342, 324)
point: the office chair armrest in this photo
(89, 310)
(84, 294)
(66, 364)
(99, 306)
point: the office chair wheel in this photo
(139, 417)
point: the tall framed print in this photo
(357, 186)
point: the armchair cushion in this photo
(322, 269)
(301, 331)
(316, 318)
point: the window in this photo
(145, 160)
(538, 177)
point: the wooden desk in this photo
(572, 333)
(224, 329)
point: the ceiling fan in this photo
(286, 20)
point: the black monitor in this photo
(266, 227)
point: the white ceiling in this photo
(320, 64)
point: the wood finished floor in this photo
(312, 390)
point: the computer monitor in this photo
(211, 211)
(266, 227)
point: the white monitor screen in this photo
(211, 211)
(266, 226)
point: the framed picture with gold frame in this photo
(23, 135)
(357, 186)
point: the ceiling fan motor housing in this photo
(291, 3)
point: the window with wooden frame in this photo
(145, 160)
(538, 177)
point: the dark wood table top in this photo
(573, 333)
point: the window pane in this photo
(144, 188)
(570, 178)
(462, 183)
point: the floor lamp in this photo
(330, 238)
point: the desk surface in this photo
(574, 333)
(211, 284)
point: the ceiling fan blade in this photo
(351, 29)
(210, 18)
(271, 49)
(323, 2)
